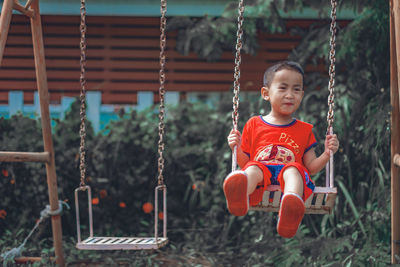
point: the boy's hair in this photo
(288, 65)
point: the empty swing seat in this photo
(122, 243)
(321, 201)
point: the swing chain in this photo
(238, 59)
(82, 131)
(161, 114)
(331, 86)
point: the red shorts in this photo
(276, 177)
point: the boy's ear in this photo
(265, 93)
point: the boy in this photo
(277, 149)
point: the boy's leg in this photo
(292, 207)
(237, 187)
(293, 181)
(254, 177)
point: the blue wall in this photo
(152, 8)
(98, 114)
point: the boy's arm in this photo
(234, 139)
(314, 164)
(242, 157)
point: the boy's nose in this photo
(289, 95)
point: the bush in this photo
(122, 168)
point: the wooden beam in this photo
(396, 21)
(395, 127)
(28, 4)
(24, 156)
(5, 19)
(41, 79)
(26, 11)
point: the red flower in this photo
(122, 204)
(95, 201)
(3, 214)
(4, 172)
(161, 215)
(103, 193)
(147, 207)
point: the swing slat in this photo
(277, 199)
(309, 201)
(318, 201)
(319, 207)
(122, 243)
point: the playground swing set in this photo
(322, 201)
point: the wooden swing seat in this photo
(122, 243)
(321, 201)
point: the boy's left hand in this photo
(331, 144)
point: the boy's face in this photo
(285, 92)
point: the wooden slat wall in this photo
(123, 58)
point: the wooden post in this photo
(5, 20)
(26, 11)
(395, 126)
(41, 79)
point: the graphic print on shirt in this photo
(286, 138)
(275, 154)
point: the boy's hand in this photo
(234, 139)
(331, 144)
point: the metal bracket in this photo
(78, 223)
(164, 189)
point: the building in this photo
(123, 56)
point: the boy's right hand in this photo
(234, 139)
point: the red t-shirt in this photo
(277, 144)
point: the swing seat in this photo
(122, 243)
(321, 201)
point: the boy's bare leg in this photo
(254, 177)
(293, 181)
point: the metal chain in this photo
(82, 132)
(238, 59)
(161, 114)
(236, 75)
(331, 86)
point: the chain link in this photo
(238, 60)
(236, 75)
(82, 131)
(161, 114)
(331, 86)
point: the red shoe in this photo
(290, 215)
(235, 190)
